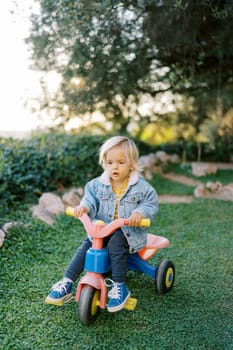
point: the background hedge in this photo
(48, 162)
(51, 162)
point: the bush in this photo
(51, 162)
(220, 151)
(48, 162)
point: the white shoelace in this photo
(60, 286)
(114, 293)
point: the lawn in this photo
(196, 314)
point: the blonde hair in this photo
(129, 146)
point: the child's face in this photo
(117, 164)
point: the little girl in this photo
(119, 192)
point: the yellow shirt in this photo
(119, 191)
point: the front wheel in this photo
(165, 276)
(88, 306)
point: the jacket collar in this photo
(133, 179)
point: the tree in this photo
(111, 54)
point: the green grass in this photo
(225, 176)
(164, 186)
(196, 314)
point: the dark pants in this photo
(118, 252)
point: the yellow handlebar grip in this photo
(145, 222)
(70, 211)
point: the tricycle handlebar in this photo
(100, 229)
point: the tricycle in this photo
(91, 293)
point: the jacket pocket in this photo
(132, 201)
(106, 205)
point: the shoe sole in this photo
(119, 307)
(59, 302)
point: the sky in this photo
(17, 81)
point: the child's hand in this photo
(79, 211)
(135, 219)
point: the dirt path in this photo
(181, 179)
(164, 198)
(189, 182)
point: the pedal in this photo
(66, 300)
(69, 300)
(131, 304)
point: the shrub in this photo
(48, 162)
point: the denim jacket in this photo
(139, 196)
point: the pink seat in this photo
(153, 244)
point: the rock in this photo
(226, 192)
(52, 203)
(146, 162)
(43, 214)
(201, 191)
(7, 226)
(2, 237)
(146, 165)
(162, 156)
(174, 158)
(202, 169)
(80, 191)
(149, 165)
(148, 175)
(153, 163)
(4, 230)
(213, 186)
(72, 198)
(214, 190)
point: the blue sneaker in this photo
(118, 296)
(61, 293)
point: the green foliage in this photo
(196, 314)
(164, 186)
(109, 54)
(219, 151)
(52, 162)
(48, 162)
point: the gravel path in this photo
(164, 198)
(189, 182)
(181, 179)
